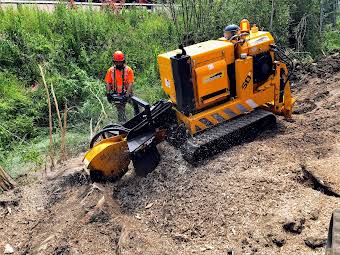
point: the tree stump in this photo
(6, 181)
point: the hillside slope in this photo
(274, 195)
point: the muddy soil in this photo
(272, 196)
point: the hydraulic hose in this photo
(107, 130)
(281, 55)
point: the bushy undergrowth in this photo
(17, 110)
(31, 155)
(74, 47)
(332, 38)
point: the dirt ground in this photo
(272, 196)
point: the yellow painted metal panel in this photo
(256, 43)
(210, 51)
(201, 54)
(165, 70)
(244, 77)
(212, 78)
(109, 156)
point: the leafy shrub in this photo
(332, 39)
(17, 111)
(75, 48)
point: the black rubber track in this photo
(233, 132)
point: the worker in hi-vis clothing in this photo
(119, 81)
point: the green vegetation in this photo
(332, 38)
(75, 46)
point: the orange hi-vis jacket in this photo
(119, 79)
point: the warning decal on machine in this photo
(257, 41)
(213, 77)
(167, 83)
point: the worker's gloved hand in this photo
(128, 95)
(125, 98)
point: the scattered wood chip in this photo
(207, 248)
(138, 217)
(181, 237)
(40, 208)
(148, 205)
(98, 186)
(8, 249)
(23, 222)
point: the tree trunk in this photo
(271, 17)
(51, 151)
(321, 18)
(6, 181)
(335, 14)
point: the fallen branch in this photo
(100, 102)
(51, 152)
(56, 105)
(91, 130)
(63, 134)
(97, 127)
(6, 181)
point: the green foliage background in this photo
(75, 46)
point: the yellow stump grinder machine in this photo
(221, 93)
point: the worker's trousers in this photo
(121, 110)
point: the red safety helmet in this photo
(118, 56)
